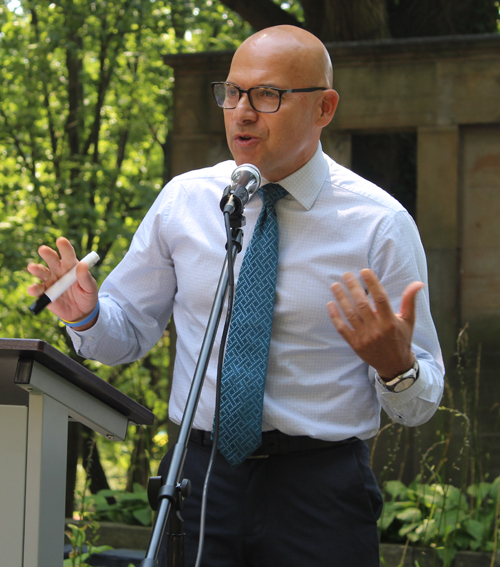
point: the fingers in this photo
(36, 289)
(51, 258)
(85, 279)
(381, 301)
(42, 273)
(342, 327)
(368, 324)
(353, 301)
(377, 293)
(39, 271)
(344, 302)
(80, 298)
(57, 266)
(355, 304)
(409, 301)
(62, 262)
(67, 252)
(359, 297)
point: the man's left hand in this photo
(376, 334)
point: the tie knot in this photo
(271, 192)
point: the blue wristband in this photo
(83, 321)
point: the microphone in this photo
(245, 181)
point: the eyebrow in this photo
(261, 85)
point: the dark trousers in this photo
(315, 508)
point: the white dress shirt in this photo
(331, 222)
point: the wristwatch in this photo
(401, 382)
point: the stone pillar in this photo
(437, 218)
(438, 222)
(199, 139)
(480, 263)
(480, 286)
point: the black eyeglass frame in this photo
(281, 92)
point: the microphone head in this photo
(245, 181)
(248, 176)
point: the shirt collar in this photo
(305, 184)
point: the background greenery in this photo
(85, 122)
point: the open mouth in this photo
(245, 140)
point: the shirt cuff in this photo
(84, 340)
(398, 400)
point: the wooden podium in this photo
(40, 388)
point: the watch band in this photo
(401, 382)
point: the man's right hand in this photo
(80, 299)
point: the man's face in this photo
(282, 142)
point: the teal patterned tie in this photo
(245, 361)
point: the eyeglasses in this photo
(262, 99)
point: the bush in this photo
(123, 507)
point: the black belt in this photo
(275, 443)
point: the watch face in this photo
(403, 384)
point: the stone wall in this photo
(447, 91)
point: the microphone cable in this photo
(220, 362)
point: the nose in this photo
(243, 111)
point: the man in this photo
(313, 500)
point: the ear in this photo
(328, 103)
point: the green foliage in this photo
(442, 516)
(130, 508)
(450, 505)
(85, 116)
(293, 7)
(83, 535)
(206, 25)
(146, 381)
(85, 136)
(82, 548)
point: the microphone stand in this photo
(169, 496)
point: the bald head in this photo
(298, 66)
(300, 52)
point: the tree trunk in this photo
(139, 471)
(346, 20)
(92, 463)
(262, 14)
(354, 20)
(330, 20)
(74, 451)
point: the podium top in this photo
(72, 371)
